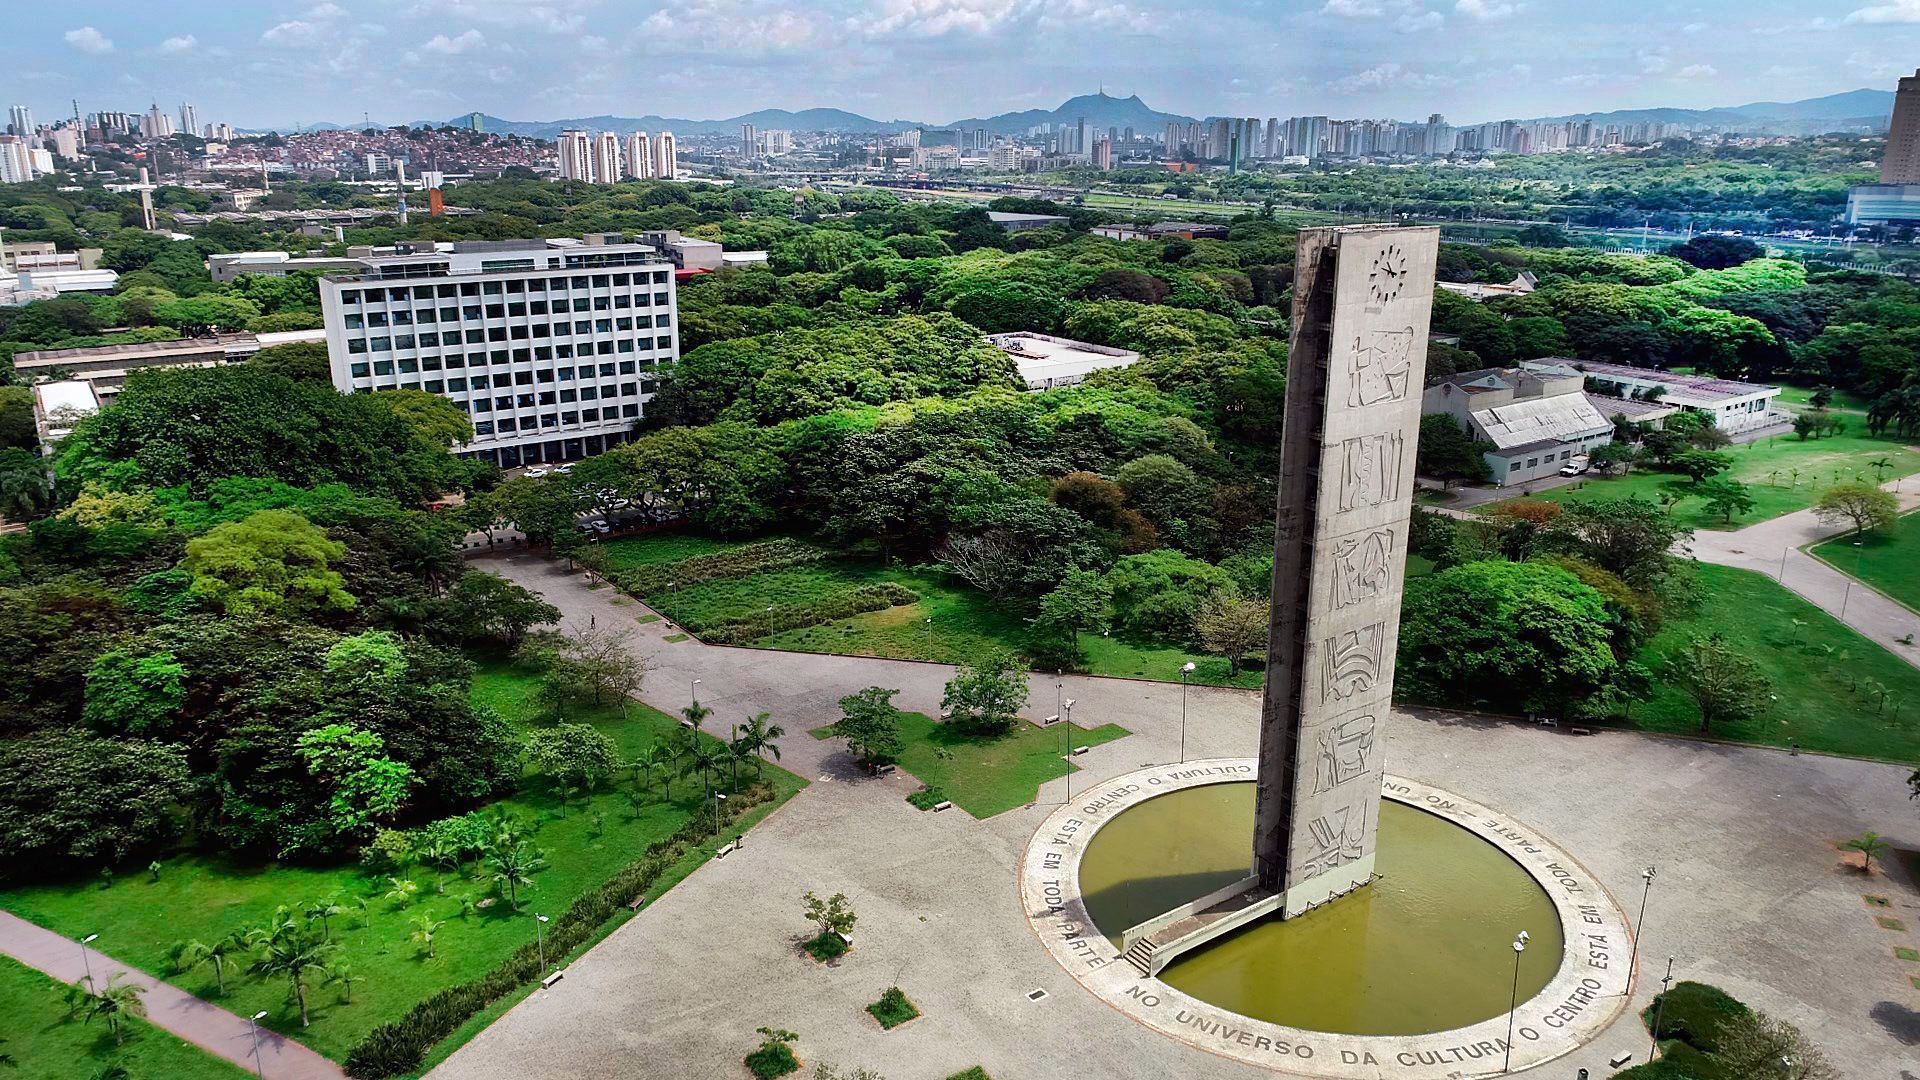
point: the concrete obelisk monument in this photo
(1363, 297)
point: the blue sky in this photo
(277, 62)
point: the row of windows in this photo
(480, 381)
(526, 400)
(386, 343)
(517, 309)
(500, 288)
(553, 420)
(428, 339)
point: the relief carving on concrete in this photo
(1381, 368)
(1362, 568)
(1342, 752)
(1370, 470)
(1338, 836)
(1351, 663)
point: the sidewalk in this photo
(169, 1008)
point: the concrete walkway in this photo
(1774, 548)
(169, 1008)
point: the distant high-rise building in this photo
(666, 157)
(20, 120)
(1902, 163)
(1103, 154)
(606, 158)
(156, 124)
(189, 120)
(639, 156)
(16, 165)
(66, 142)
(576, 155)
(749, 142)
(776, 143)
(476, 122)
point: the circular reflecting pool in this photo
(1427, 947)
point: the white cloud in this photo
(322, 12)
(545, 17)
(1899, 11)
(89, 40)
(1388, 74)
(1354, 9)
(1413, 24)
(454, 46)
(1699, 71)
(1486, 9)
(292, 32)
(1653, 61)
(1096, 15)
(1693, 28)
(1523, 71)
(1591, 78)
(932, 18)
(179, 43)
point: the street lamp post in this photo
(1185, 670)
(693, 692)
(1066, 711)
(1513, 1001)
(718, 798)
(1659, 1006)
(1633, 957)
(253, 1030)
(86, 964)
(540, 939)
(929, 638)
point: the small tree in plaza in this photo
(1727, 686)
(1231, 627)
(985, 697)
(774, 1056)
(1869, 845)
(835, 918)
(871, 724)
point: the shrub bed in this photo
(772, 1059)
(400, 1047)
(763, 624)
(1693, 1013)
(893, 1008)
(826, 946)
(734, 563)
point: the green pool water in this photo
(1427, 947)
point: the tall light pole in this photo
(253, 1029)
(540, 939)
(693, 692)
(1659, 1006)
(718, 798)
(1633, 957)
(1513, 1002)
(1066, 709)
(929, 637)
(86, 964)
(1185, 671)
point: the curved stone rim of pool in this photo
(1585, 996)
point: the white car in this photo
(563, 469)
(537, 473)
(1576, 466)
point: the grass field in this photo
(1844, 401)
(43, 1043)
(985, 777)
(1822, 700)
(1888, 560)
(1768, 468)
(202, 898)
(966, 622)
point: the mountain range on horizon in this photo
(1850, 110)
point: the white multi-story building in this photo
(189, 119)
(16, 165)
(41, 159)
(606, 158)
(20, 120)
(576, 155)
(66, 142)
(639, 156)
(666, 157)
(157, 124)
(552, 347)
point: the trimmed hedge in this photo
(400, 1046)
(763, 624)
(721, 565)
(1694, 1013)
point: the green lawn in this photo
(1888, 560)
(985, 777)
(1844, 401)
(1768, 469)
(629, 552)
(1822, 701)
(43, 1043)
(199, 897)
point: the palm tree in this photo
(114, 1003)
(513, 869)
(442, 853)
(759, 735)
(23, 493)
(1868, 844)
(295, 952)
(424, 927)
(695, 713)
(508, 830)
(703, 756)
(1880, 467)
(188, 955)
(402, 889)
(657, 759)
(324, 911)
(346, 977)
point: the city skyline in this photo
(935, 60)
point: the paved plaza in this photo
(1752, 893)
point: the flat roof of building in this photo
(1001, 218)
(1696, 386)
(133, 350)
(1627, 407)
(1522, 424)
(1044, 357)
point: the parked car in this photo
(1576, 465)
(537, 472)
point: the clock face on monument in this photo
(1389, 274)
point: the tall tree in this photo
(1863, 506)
(1726, 685)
